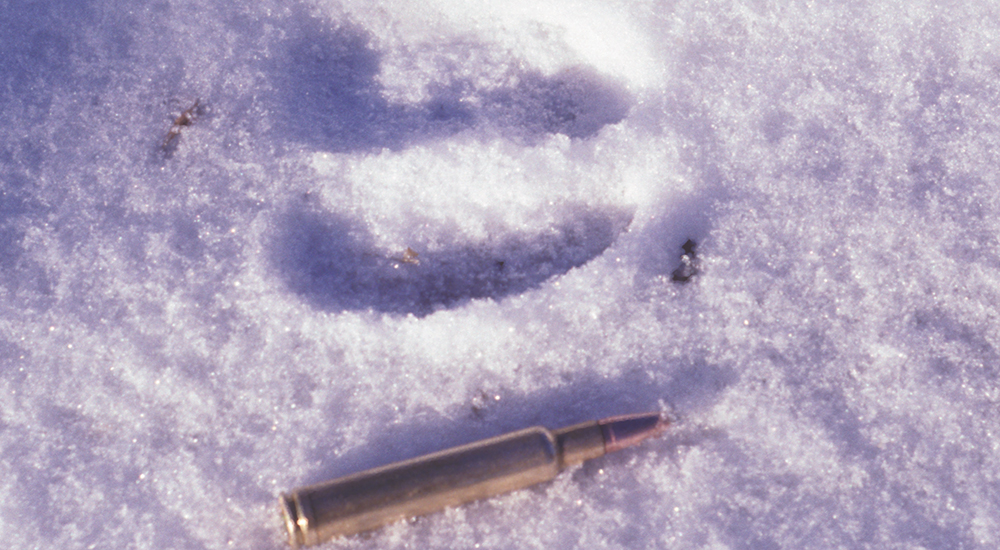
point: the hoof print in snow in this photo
(333, 265)
(329, 93)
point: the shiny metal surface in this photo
(370, 499)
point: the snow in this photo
(186, 332)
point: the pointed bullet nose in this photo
(624, 431)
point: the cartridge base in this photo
(290, 513)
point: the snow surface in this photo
(186, 332)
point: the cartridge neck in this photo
(578, 443)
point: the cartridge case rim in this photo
(289, 513)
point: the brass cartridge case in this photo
(370, 499)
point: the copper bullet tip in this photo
(624, 431)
